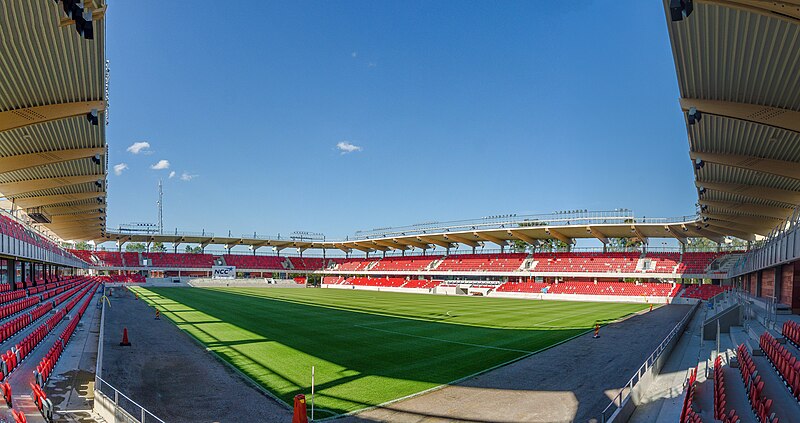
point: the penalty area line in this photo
(446, 341)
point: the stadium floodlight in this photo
(92, 117)
(702, 191)
(699, 164)
(98, 183)
(704, 208)
(85, 27)
(96, 159)
(678, 9)
(693, 115)
(100, 200)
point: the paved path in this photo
(570, 382)
(172, 376)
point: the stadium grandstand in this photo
(577, 315)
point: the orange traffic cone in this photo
(125, 342)
(651, 307)
(597, 330)
(300, 414)
(158, 314)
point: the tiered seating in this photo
(131, 260)
(125, 278)
(720, 398)
(529, 287)
(586, 262)
(353, 264)
(309, 263)
(422, 283)
(44, 368)
(482, 262)
(754, 387)
(703, 292)
(407, 263)
(109, 258)
(688, 414)
(791, 330)
(242, 261)
(783, 361)
(383, 282)
(11, 227)
(332, 280)
(180, 260)
(664, 262)
(616, 288)
(695, 263)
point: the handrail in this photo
(140, 411)
(627, 390)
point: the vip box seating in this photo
(332, 280)
(483, 262)
(754, 387)
(407, 263)
(783, 361)
(242, 261)
(586, 262)
(703, 292)
(720, 398)
(180, 260)
(12, 228)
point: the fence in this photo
(109, 402)
(622, 401)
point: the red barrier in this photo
(300, 413)
(6, 392)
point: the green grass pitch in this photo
(369, 347)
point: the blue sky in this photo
(458, 109)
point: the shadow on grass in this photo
(362, 359)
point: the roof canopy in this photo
(738, 67)
(52, 113)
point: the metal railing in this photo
(781, 245)
(121, 402)
(132, 411)
(619, 400)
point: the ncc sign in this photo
(223, 272)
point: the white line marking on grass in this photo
(445, 340)
(541, 324)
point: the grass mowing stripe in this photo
(274, 336)
(443, 340)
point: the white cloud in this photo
(371, 64)
(347, 147)
(172, 174)
(119, 168)
(354, 54)
(185, 176)
(160, 165)
(139, 147)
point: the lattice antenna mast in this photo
(160, 208)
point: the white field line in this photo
(445, 340)
(540, 324)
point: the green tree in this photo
(135, 247)
(550, 245)
(700, 244)
(193, 250)
(158, 247)
(624, 244)
(521, 246)
(82, 245)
